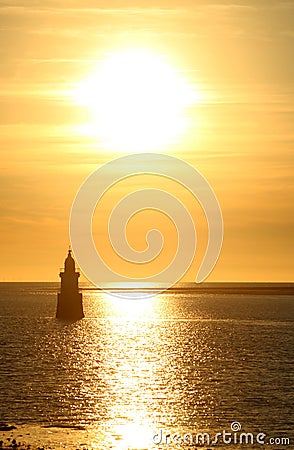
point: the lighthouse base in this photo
(69, 308)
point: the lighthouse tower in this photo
(69, 301)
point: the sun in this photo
(138, 101)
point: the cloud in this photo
(66, 11)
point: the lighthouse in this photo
(69, 300)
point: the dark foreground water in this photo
(135, 371)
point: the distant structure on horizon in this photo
(69, 300)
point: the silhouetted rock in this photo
(6, 427)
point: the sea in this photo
(188, 368)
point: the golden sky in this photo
(236, 57)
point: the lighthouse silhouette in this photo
(69, 300)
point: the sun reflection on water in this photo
(137, 433)
(133, 308)
(130, 368)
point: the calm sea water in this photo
(180, 362)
